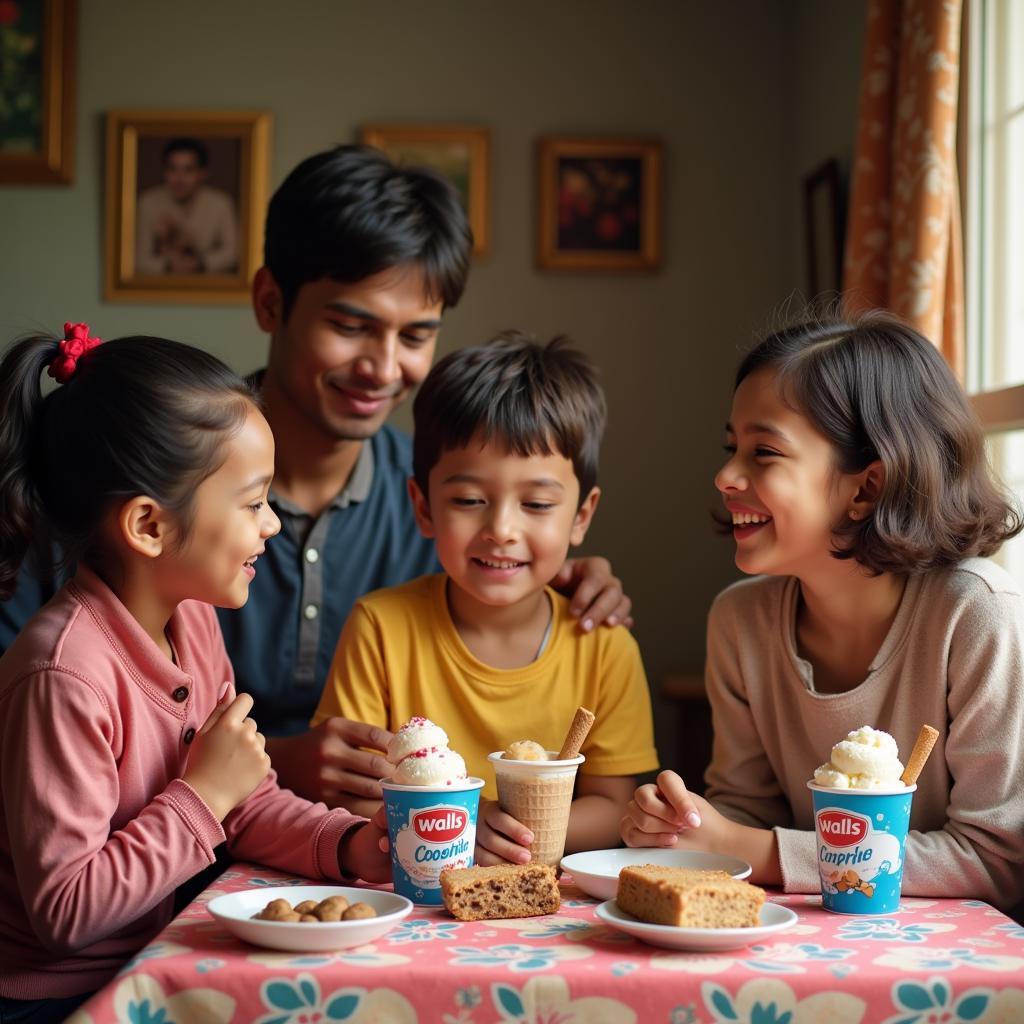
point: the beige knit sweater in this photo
(953, 658)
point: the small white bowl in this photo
(235, 911)
(597, 872)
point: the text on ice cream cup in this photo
(430, 828)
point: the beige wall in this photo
(745, 96)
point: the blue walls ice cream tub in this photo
(860, 839)
(430, 828)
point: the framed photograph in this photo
(461, 154)
(823, 230)
(186, 194)
(599, 204)
(37, 91)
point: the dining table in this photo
(933, 961)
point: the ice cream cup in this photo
(538, 794)
(430, 828)
(860, 837)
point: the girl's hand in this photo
(500, 839)
(227, 760)
(659, 812)
(363, 850)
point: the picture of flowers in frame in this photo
(599, 204)
(460, 153)
(186, 193)
(37, 109)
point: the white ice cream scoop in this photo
(417, 734)
(867, 759)
(434, 766)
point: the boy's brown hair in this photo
(533, 398)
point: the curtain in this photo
(904, 248)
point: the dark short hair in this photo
(533, 398)
(350, 213)
(879, 390)
(187, 144)
(140, 415)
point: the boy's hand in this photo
(500, 839)
(363, 850)
(659, 812)
(227, 760)
(596, 596)
(327, 763)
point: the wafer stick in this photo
(581, 723)
(922, 748)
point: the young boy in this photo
(505, 457)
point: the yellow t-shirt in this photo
(400, 655)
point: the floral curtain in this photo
(904, 249)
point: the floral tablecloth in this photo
(933, 961)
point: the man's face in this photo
(183, 174)
(349, 353)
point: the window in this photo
(995, 239)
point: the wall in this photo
(723, 83)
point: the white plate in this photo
(774, 918)
(597, 872)
(235, 911)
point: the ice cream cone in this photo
(538, 794)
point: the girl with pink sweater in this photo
(125, 756)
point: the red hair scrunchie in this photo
(75, 345)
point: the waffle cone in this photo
(542, 805)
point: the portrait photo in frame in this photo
(461, 153)
(186, 193)
(599, 204)
(38, 43)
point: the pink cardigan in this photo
(97, 828)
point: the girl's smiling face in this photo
(232, 521)
(781, 484)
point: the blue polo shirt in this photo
(282, 640)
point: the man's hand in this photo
(500, 839)
(327, 764)
(595, 596)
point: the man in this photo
(361, 260)
(184, 225)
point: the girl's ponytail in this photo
(21, 410)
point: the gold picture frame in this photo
(37, 129)
(460, 152)
(185, 189)
(599, 204)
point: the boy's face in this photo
(502, 522)
(349, 353)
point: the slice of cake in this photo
(688, 899)
(505, 890)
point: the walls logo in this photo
(842, 828)
(440, 824)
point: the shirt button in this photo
(310, 611)
(180, 693)
(312, 555)
(190, 735)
